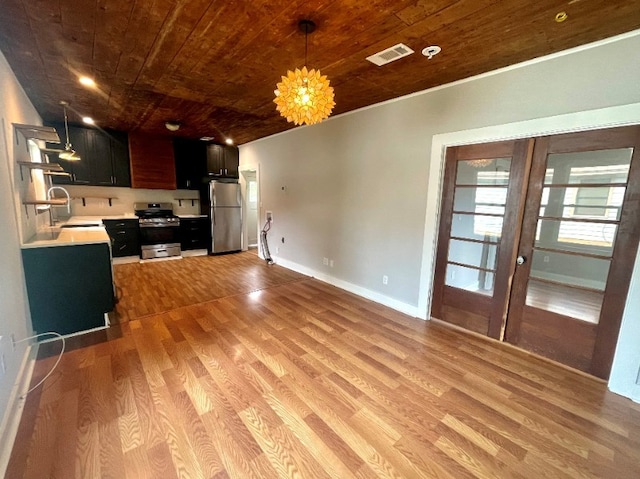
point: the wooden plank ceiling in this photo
(212, 65)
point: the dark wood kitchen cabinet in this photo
(125, 237)
(223, 161)
(191, 163)
(104, 157)
(70, 288)
(120, 163)
(152, 161)
(194, 233)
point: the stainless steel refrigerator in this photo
(226, 217)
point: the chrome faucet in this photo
(49, 197)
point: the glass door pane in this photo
(480, 196)
(576, 231)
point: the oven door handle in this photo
(173, 225)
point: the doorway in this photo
(537, 240)
(251, 207)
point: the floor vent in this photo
(390, 54)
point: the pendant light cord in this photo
(66, 126)
(306, 41)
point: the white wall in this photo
(363, 188)
(14, 308)
(625, 374)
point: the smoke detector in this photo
(431, 51)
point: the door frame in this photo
(243, 187)
(626, 115)
(610, 117)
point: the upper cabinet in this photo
(197, 161)
(104, 157)
(223, 161)
(191, 163)
(152, 161)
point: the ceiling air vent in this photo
(390, 54)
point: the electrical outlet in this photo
(325, 261)
(277, 249)
(269, 216)
(546, 259)
(13, 341)
(385, 279)
(330, 263)
(3, 366)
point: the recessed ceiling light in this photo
(229, 141)
(88, 120)
(172, 125)
(88, 82)
(561, 17)
(207, 138)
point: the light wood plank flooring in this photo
(159, 286)
(303, 380)
(576, 303)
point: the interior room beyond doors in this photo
(537, 241)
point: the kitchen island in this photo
(69, 279)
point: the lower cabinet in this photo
(70, 288)
(125, 237)
(194, 233)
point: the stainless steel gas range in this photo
(159, 230)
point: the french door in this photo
(537, 242)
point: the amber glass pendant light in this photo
(304, 96)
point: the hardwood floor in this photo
(576, 303)
(160, 286)
(303, 380)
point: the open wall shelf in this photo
(49, 168)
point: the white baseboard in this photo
(13, 413)
(565, 279)
(352, 288)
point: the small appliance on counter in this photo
(225, 205)
(159, 230)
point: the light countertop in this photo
(85, 230)
(97, 220)
(68, 237)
